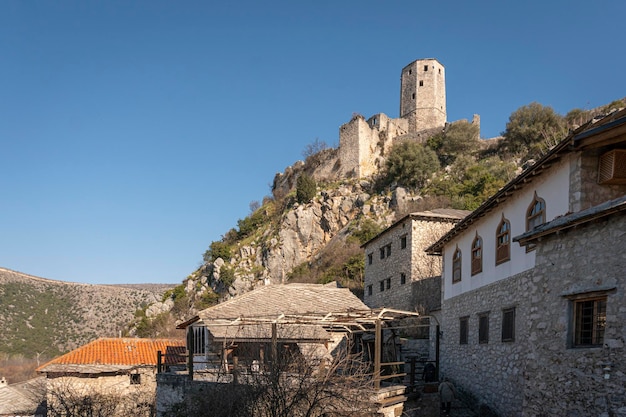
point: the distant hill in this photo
(40, 316)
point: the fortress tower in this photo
(423, 94)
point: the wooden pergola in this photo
(351, 321)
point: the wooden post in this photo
(377, 353)
(438, 342)
(274, 346)
(190, 352)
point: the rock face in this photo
(303, 231)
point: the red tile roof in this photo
(119, 351)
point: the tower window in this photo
(410, 72)
(135, 379)
(483, 328)
(413, 96)
(402, 278)
(425, 67)
(421, 83)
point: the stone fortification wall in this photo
(364, 143)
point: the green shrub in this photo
(366, 230)
(227, 276)
(306, 188)
(218, 249)
(410, 164)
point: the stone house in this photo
(533, 284)
(23, 399)
(398, 273)
(110, 376)
(294, 329)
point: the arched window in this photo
(535, 216)
(477, 255)
(536, 213)
(503, 241)
(456, 265)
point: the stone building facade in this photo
(533, 315)
(423, 94)
(398, 273)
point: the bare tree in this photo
(69, 397)
(297, 380)
(315, 147)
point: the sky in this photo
(135, 133)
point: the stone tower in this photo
(423, 94)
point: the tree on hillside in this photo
(531, 129)
(469, 182)
(459, 138)
(410, 164)
(306, 188)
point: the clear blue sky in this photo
(135, 133)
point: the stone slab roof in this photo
(23, 398)
(257, 332)
(291, 299)
(113, 354)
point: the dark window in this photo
(382, 253)
(413, 96)
(410, 72)
(421, 83)
(589, 322)
(456, 265)
(382, 286)
(135, 379)
(199, 339)
(370, 258)
(369, 290)
(483, 328)
(388, 283)
(403, 242)
(425, 67)
(477, 255)
(403, 278)
(388, 249)
(503, 241)
(508, 325)
(463, 330)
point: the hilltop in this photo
(44, 317)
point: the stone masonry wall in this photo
(491, 372)
(421, 290)
(586, 192)
(538, 374)
(562, 381)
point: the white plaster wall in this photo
(552, 186)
